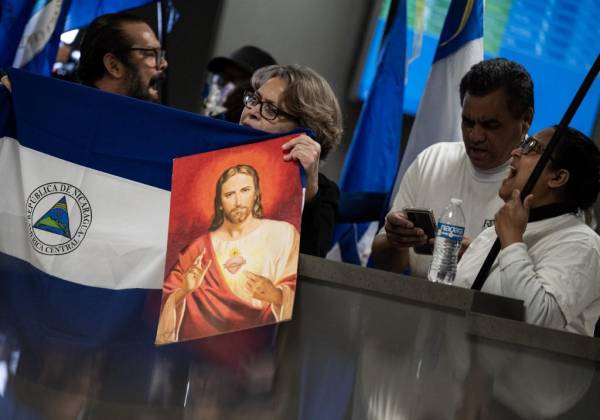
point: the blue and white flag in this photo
(84, 208)
(30, 31)
(40, 31)
(372, 160)
(13, 18)
(438, 117)
(81, 13)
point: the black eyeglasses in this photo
(531, 144)
(267, 110)
(157, 53)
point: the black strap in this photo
(539, 167)
(551, 210)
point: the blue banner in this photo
(82, 13)
(372, 160)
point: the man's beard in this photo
(137, 89)
(238, 215)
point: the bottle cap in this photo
(456, 201)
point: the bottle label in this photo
(454, 233)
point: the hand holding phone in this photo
(423, 219)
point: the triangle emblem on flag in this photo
(56, 220)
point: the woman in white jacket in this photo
(549, 258)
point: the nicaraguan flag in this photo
(13, 18)
(372, 160)
(40, 35)
(438, 117)
(84, 209)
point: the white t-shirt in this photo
(444, 171)
(560, 257)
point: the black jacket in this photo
(318, 219)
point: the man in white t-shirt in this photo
(497, 101)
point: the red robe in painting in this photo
(213, 308)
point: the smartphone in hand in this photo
(422, 218)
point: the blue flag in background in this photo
(372, 160)
(460, 46)
(81, 13)
(30, 31)
(37, 47)
(14, 15)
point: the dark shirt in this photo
(318, 219)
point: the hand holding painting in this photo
(306, 151)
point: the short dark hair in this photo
(487, 76)
(578, 154)
(104, 35)
(257, 210)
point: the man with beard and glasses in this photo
(120, 54)
(239, 274)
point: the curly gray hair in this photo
(309, 97)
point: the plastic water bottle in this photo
(450, 232)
